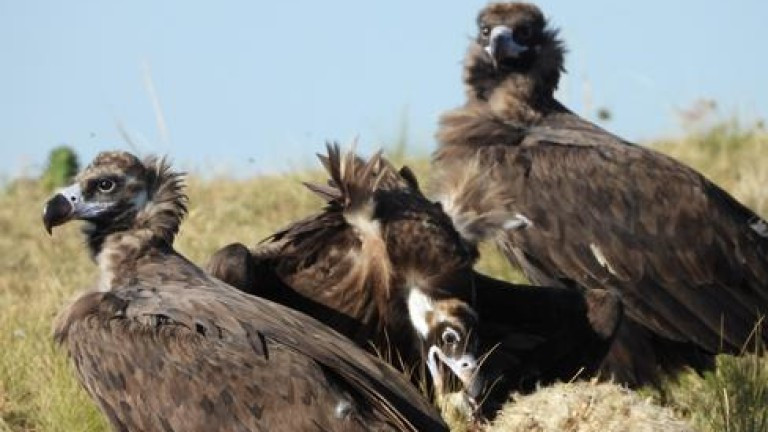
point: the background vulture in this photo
(160, 345)
(689, 261)
(387, 267)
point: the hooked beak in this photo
(61, 208)
(502, 45)
(465, 368)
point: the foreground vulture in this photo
(386, 266)
(160, 345)
(689, 261)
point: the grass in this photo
(586, 407)
(733, 398)
(38, 274)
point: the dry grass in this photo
(586, 407)
(38, 274)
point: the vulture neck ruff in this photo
(357, 183)
(153, 222)
(517, 93)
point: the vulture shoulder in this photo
(234, 264)
(204, 356)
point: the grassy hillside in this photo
(38, 274)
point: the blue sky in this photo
(246, 87)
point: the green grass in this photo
(39, 274)
(733, 398)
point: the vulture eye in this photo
(486, 30)
(105, 185)
(522, 34)
(451, 337)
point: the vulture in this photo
(161, 345)
(380, 263)
(393, 270)
(594, 212)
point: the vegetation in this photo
(62, 167)
(586, 407)
(39, 274)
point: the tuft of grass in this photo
(732, 398)
(585, 407)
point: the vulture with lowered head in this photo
(160, 345)
(386, 266)
(381, 264)
(689, 261)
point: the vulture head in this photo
(513, 39)
(448, 329)
(119, 192)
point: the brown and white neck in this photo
(119, 254)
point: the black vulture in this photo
(161, 345)
(689, 262)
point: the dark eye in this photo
(450, 337)
(486, 30)
(522, 34)
(105, 185)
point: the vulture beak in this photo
(465, 368)
(502, 45)
(61, 208)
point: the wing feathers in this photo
(608, 214)
(226, 354)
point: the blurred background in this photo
(257, 87)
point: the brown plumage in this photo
(423, 270)
(533, 335)
(160, 345)
(689, 262)
(376, 264)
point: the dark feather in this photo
(354, 264)
(539, 335)
(234, 265)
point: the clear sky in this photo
(248, 86)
